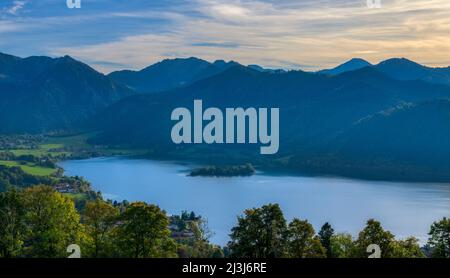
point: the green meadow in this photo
(57, 146)
(30, 168)
(43, 150)
(61, 147)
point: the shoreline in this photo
(164, 194)
(261, 170)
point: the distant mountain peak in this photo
(67, 60)
(370, 72)
(69, 64)
(53, 93)
(8, 55)
(256, 67)
(175, 60)
(400, 61)
(357, 60)
(6, 58)
(404, 69)
(237, 70)
(166, 74)
(350, 65)
(194, 58)
(219, 62)
(224, 64)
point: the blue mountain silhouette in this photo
(383, 121)
(398, 68)
(353, 64)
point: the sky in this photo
(292, 34)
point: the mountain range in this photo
(169, 74)
(321, 119)
(397, 68)
(353, 64)
(42, 94)
(387, 121)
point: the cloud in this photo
(216, 44)
(8, 26)
(276, 33)
(230, 12)
(17, 5)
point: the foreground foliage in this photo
(40, 222)
(263, 232)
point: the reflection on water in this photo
(403, 208)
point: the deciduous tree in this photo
(439, 239)
(99, 218)
(342, 245)
(52, 221)
(143, 232)
(408, 248)
(260, 233)
(12, 224)
(302, 241)
(374, 233)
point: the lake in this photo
(403, 208)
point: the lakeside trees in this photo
(41, 222)
(99, 218)
(325, 235)
(263, 232)
(341, 245)
(440, 238)
(260, 233)
(37, 222)
(373, 233)
(12, 224)
(198, 246)
(143, 232)
(302, 241)
(52, 222)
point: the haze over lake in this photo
(406, 209)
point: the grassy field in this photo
(57, 146)
(30, 168)
(41, 151)
(61, 147)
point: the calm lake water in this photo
(403, 208)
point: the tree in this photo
(325, 234)
(143, 232)
(439, 240)
(52, 221)
(12, 224)
(100, 218)
(373, 233)
(302, 241)
(200, 245)
(408, 248)
(260, 233)
(342, 245)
